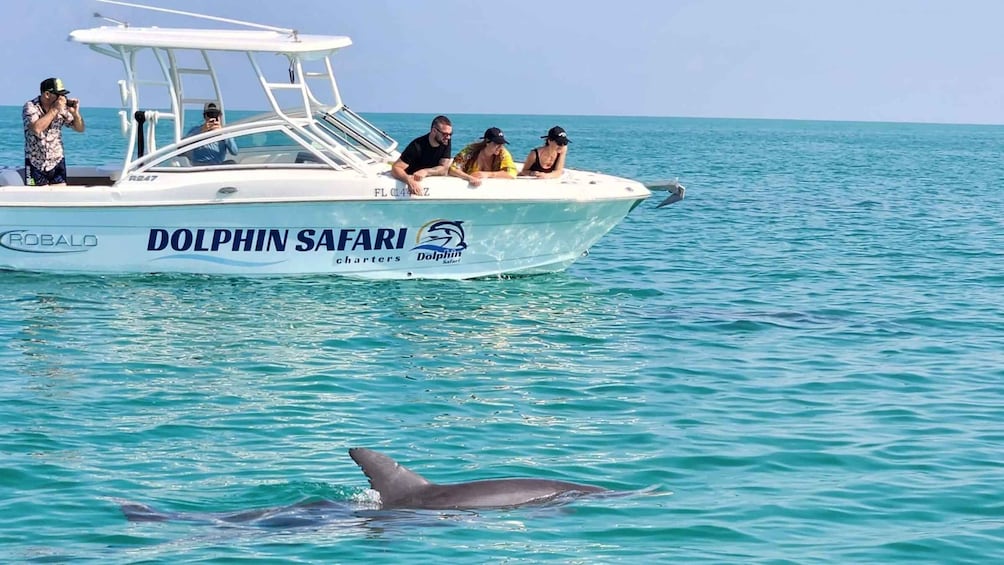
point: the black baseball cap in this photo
(53, 85)
(558, 135)
(211, 110)
(495, 135)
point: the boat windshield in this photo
(260, 147)
(364, 132)
(350, 143)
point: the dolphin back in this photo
(395, 483)
(401, 488)
(503, 493)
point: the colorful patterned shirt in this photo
(46, 150)
(467, 160)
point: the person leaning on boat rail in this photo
(552, 152)
(487, 158)
(214, 152)
(427, 155)
(44, 118)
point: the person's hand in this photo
(419, 175)
(414, 187)
(73, 104)
(475, 180)
(61, 103)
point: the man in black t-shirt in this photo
(427, 155)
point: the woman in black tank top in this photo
(548, 160)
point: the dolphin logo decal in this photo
(441, 236)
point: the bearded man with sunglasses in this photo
(215, 152)
(426, 155)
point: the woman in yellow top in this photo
(483, 159)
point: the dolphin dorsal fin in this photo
(393, 481)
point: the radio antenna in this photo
(112, 20)
(195, 15)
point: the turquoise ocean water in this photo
(804, 360)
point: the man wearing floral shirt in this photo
(44, 118)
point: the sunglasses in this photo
(211, 115)
(444, 133)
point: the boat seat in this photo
(11, 176)
(305, 157)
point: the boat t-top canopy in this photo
(240, 40)
(185, 57)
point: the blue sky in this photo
(874, 60)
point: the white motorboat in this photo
(309, 190)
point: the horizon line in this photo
(680, 117)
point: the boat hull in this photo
(393, 239)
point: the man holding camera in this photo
(214, 152)
(44, 118)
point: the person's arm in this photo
(456, 168)
(559, 163)
(77, 122)
(37, 121)
(507, 166)
(440, 170)
(456, 172)
(443, 168)
(527, 163)
(397, 170)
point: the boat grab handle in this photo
(227, 190)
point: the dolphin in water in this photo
(676, 191)
(400, 487)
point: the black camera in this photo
(71, 103)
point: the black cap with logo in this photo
(557, 134)
(495, 135)
(53, 85)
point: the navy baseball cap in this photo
(495, 135)
(558, 135)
